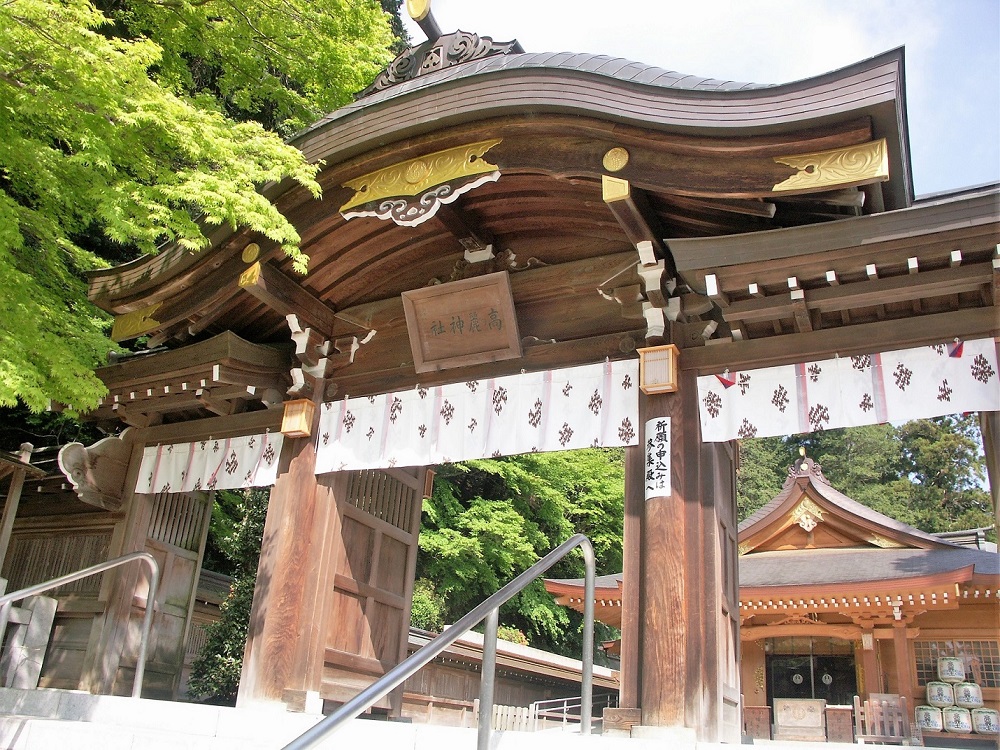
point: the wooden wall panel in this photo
(348, 627)
(367, 621)
(391, 561)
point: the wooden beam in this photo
(751, 207)
(996, 282)
(471, 237)
(538, 355)
(218, 427)
(839, 297)
(855, 339)
(287, 297)
(800, 311)
(13, 499)
(634, 215)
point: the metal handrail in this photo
(409, 666)
(154, 580)
(560, 708)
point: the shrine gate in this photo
(497, 218)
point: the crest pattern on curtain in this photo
(576, 407)
(896, 386)
(214, 464)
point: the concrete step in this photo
(74, 720)
(46, 719)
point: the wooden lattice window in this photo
(35, 558)
(982, 660)
(383, 496)
(177, 519)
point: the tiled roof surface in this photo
(824, 566)
(613, 67)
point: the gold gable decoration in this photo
(134, 324)
(881, 541)
(410, 192)
(807, 514)
(841, 167)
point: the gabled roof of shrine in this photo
(592, 158)
(873, 562)
(809, 513)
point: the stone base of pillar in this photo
(676, 738)
(302, 701)
(618, 722)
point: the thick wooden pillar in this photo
(283, 660)
(904, 668)
(869, 665)
(680, 640)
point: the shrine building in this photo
(838, 600)
(516, 251)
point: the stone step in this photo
(45, 719)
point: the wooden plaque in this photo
(462, 323)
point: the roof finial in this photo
(420, 11)
(802, 451)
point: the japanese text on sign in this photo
(657, 457)
(462, 324)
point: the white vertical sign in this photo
(657, 457)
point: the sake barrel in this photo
(929, 718)
(956, 719)
(940, 694)
(951, 669)
(986, 720)
(968, 695)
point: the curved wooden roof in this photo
(859, 525)
(706, 159)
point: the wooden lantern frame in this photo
(650, 359)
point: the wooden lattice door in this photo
(368, 623)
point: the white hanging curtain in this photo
(849, 391)
(577, 407)
(215, 464)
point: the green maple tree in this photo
(131, 124)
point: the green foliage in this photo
(227, 517)
(215, 674)
(511, 635)
(47, 429)
(129, 128)
(941, 459)
(279, 64)
(928, 473)
(428, 609)
(762, 470)
(489, 520)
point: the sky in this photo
(952, 55)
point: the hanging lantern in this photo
(298, 417)
(658, 369)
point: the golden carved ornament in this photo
(418, 9)
(758, 678)
(743, 549)
(414, 176)
(251, 252)
(133, 324)
(881, 541)
(250, 276)
(841, 167)
(615, 159)
(807, 514)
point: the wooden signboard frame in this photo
(467, 322)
